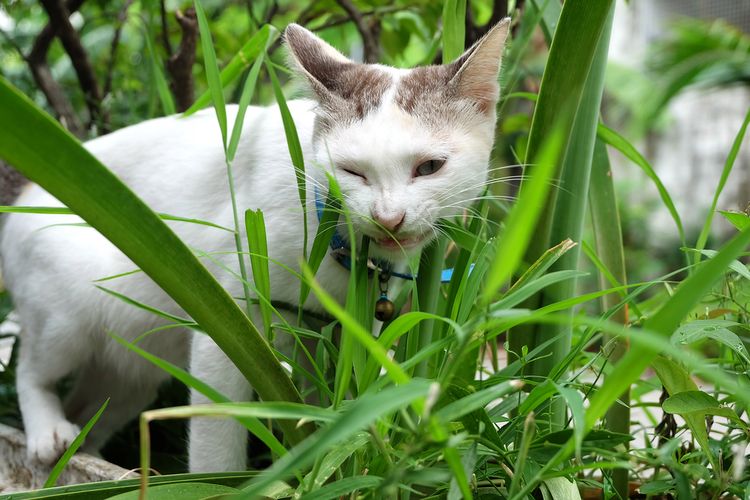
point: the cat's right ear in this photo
(320, 63)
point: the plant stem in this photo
(609, 247)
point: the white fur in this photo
(177, 166)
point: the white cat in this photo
(408, 147)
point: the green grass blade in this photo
(77, 442)
(247, 93)
(608, 237)
(46, 154)
(252, 424)
(212, 70)
(345, 486)
(740, 220)
(520, 226)
(258, 246)
(162, 88)
(363, 412)
(326, 228)
(728, 165)
(454, 28)
(146, 307)
(621, 144)
(107, 489)
(248, 53)
(36, 210)
(395, 372)
(294, 146)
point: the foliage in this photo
(424, 409)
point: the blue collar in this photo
(342, 254)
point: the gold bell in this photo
(384, 309)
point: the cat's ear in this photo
(320, 63)
(476, 70)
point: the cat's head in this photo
(408, 147)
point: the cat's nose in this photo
(390, 221)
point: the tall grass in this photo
(416, 412)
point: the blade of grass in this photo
(728, 165)
(514, 239)
(247, 94)
(622, 145)
(363, 412)
(454, 28)
(375, 350)
(252, 424)
(212, 70)
(73, 448)
(248, 53)
(608, 237)
(258, 247)
(294, 146)
(165, 96)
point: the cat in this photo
(408, 147)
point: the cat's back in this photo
(185, 155)
(177, 166)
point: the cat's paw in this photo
(47, 445)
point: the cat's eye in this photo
(355, 173)
(428, 167)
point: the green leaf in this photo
(332, 462)
(106, 489)
(455, 410)
(575, 402)
(248, 53)
(258, 245)
(326, 228)
(344, 487)
(521, 223)
(714, 329)
(212, 70)
(363, 412)
(621, 144)
(73, 448)
(728, 165)
(183, 491)
(165, 96)
(251, 423)
(247, 93)
(560, 488)
(454, 15)
(689, 402)
(740, 220)
(294, 146)
(395, 372)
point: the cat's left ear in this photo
(476, 70)
(316, 60)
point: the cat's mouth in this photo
(395, 243)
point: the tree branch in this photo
(371, 46)
(180, 64)
(59, 18)
(37, 61)
(165, 29)
(122, 16)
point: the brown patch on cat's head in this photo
(470, 81)
(345, 90)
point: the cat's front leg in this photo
(216, 444)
